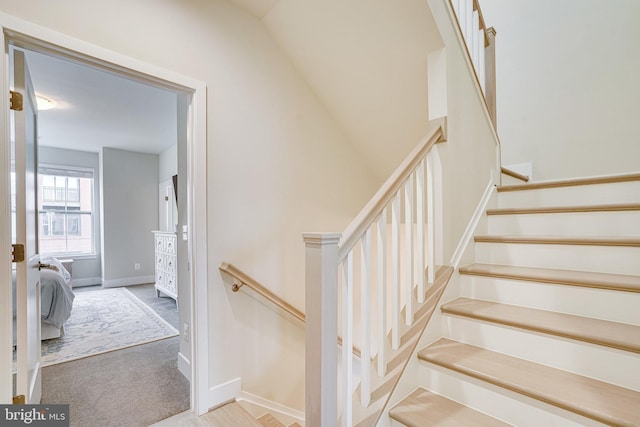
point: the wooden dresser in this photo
(166, 264)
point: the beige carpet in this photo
(137, 386)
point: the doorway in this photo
(192, 224)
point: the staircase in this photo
(268, 420)
(546, 329)
(236, 414)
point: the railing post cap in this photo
(322, 238)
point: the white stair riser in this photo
(619, 223)
(509, 180)
(503, 404)
(622, 192)
(590, 360)
(604, 259)
(616, 306)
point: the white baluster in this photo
(408, 250)
(438, 240)
(468, 29)
(420, 196)
(462, 18)
(365, 312)
(347, 340)
(395, 272)
(476, 39)
(382, 293)
(481, 66)
(431, 233)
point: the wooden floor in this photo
(600, 401)
(424, 409)
(229, 415)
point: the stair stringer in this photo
(464, 253)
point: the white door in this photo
(24, 122)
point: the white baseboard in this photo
(222, 393)
(273, 407)
(87, 281)
(128, 281)
(184, 366)
(472, 225)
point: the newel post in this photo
(321, 336)
(490, 75)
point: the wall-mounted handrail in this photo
(243, 279)
(250, 282)
(514, 174)
(358, 226)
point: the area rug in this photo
(103, 321)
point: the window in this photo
(65, 208)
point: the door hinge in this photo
(15, 100)
(17, 253)
(19, 399)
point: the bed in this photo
(56, 298)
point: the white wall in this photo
(167, 168)
(470, 156)
(86, 269)
(129, 215)
(568, 86)
(367, 62)
(277, 163)
(168, 163)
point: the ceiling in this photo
(259, 8)
(97, 109)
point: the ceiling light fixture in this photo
(44, 103)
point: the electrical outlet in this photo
(136, 266)
(185, 332)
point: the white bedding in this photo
(56, 296)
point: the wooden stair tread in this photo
(620, 282)
(602, 332)
(572, 182)
(565, 209)
(561, 240)
(230, 414)
(600, 401)
(425, 409)
(382, 387)
(268, 420)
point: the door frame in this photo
(34, 37)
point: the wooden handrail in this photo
(354, 231)
(486, 76)
(514, 174)
(246, 280)
(250, 282)
(483, 26)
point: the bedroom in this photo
(100, 196)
